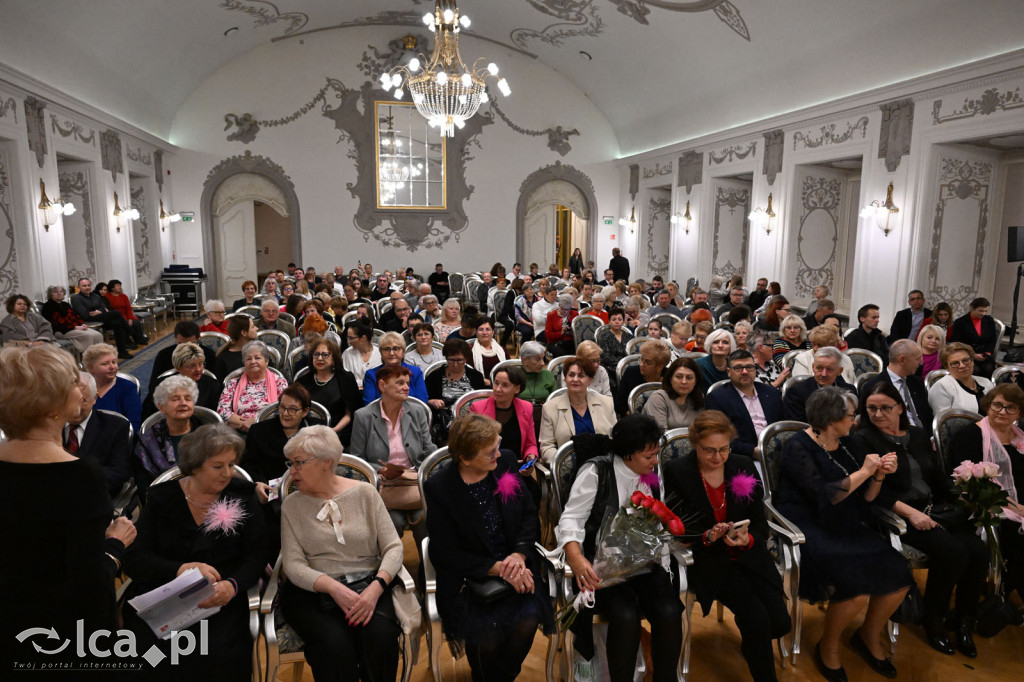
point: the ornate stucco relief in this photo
(988, 102)
(657, 170)
(8, 252)
(76, 184)
(691, 170)
(35, 128)
(139, 156)
(729, 199)
(820, 203)
(558, 137)
(265, 13)
(773, 151)
(110, 153)
(69, 128)
(158, 168)
(542, 178)
(897, 129)
(656, 233)
(829, 134)
(8, 105)
(141, 233)
(736, 152)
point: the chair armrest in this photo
(786, 528)
(888, 521)
(407, 584)
(267, 603)
(128, 492)
(254, 597)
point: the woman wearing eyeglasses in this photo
(334, 387)
(957, 558)
(960, 388)
(392, 354)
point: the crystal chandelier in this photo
(445, 92)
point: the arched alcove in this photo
(561, 184)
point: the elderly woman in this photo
(589, 353)
(614, 339)
(957, 558)
(394, 436)
(482, 527)
(540, 310)
(210, 521)
(333, 386)
(998, 439)
(64, 320)
(248, 296)
(215, 317)
(241, 330)
(558, 327)
(574, 412)
(654, 358)
(930, 339)
(361, 354)
(189, 360)
(341, 553)
(514, 415)
(760, 344)
(716, 489)
(252, 390)
(113, 393)
(720, 344)
(825, 488)
(486, 351)
(741, 332)
(23, 327)
(634, 456)
(157, 448)
(680, 399)
(451, 319)
(776, 312)
(446, 387)
(54, 510)
(977, 329)
(960, 388)
(270, 289)
(540, 382)
(392, 353)
(424, 354)
(793, 337)
(597, 308)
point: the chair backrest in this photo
(472, 287)
(633, 345)
(349, 317)
(1000, 330)
(555, 367)
(277, 340)
(461, 407)
(214, 340)
(499, 301)
(287, 317)
(718, 384)
(416, 403)
(668, 320)
(675, 444)
(620, 369)
(253, 311)
(175, 473)
(434, 344)
(435, 462)
(864, 361)
(456, 280)
(584, 327)
(944, 426)
(172, 372)
(607, 329)
(438, 366)
(557, 392)
(301, 373)
(382, 305)
(316, 409)
(789, 359)
(859, 382)
(1006, 374)
(203, 414)
(562, 467)
(333, 336)
(132, 378)
(789, 382)
(294, 355)
(638, 396)
(770, 444)
(131, 428)
(378, 334)
(934, 376)
(505, 364)
(349, 466)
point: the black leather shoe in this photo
(882, 666)
(830, 674)
(965, 639)
(936, 636)
(124, 355)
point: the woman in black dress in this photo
(54, 514)
(482, 526)
(334, 387)
(730, 565)
(825, 488)
(207, 520)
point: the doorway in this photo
(80, 242)
(555, 225)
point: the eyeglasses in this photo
(391, 349)
(290, 410)
(961, 363)
(712, 451)
(1004, 408)
(743, 368)
(883, 409)
(851, 415)
(321, 356)
(456, 361)
(298, 463)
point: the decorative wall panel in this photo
(731, 227)
(8, 252)
(141, 232)
(818, 231)
(79, 242)
(657, 232)
(964, 186)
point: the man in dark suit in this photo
(867, 335)
(907, 322)
(184, 332)
(978, 330)
(609, 278)
(758, 295)
(904, 359)
(824, 309)
(827, 370)
(101, 435)
(619, 265)
(751, 406)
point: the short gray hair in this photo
(187, 353)
(256, 345)
(598, 295)
(54, 288)
(720, 334)
(903, 347)
(205, 442)
(829, 352)
(214, 304)
(828, 405)
(564, 301)
(271, 302)
(531, 349)
(427, 298)
(89, 382)
(171, 385)
(743, 324)
(318, 442)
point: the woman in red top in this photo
(216, 317)
(121, 303)
(66, 321)
(558, 327)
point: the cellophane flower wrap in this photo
(983, 497)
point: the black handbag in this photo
(910, 610)
(490, 590)
(994, 614)
(948, 515)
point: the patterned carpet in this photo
(141, 366)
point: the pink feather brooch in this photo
(224, 515)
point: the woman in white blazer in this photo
(960, 388)
(575, 411)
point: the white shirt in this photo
(352, 360)
(541, 308)
(79, 429)
(581, 499)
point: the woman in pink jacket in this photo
(514, 415)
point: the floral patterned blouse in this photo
(253, 398)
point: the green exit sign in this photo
(188, 216)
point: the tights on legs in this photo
(761, 616)
(502, 661)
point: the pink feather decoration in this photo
(508, 487)
(651, 480)
(742, 486)
(224, 515)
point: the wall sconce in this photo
(629, 222)
(124, 216)
(52, 210)
(878, 211)
(167, 218)
(762, 217)
(685, 219)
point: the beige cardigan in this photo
(557, 426)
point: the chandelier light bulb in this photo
(442, 77)
(492, 69)
(417, 98)
(428, 19)
(68, 208)
(462, 99)
(399, 93)
(448, 16)
(503, 86)
(464, 20)
(396, 80)
(484, 99)
(414, 64)
(467, 80)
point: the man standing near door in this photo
(619, 265)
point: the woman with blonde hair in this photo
(793, 336)
(113, 393)
(931, 338)
(451, 319)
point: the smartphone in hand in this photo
(529, 463)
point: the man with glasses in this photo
(867, 335)
(392, 354)
(907, 322)
(750, 405)
(828, 369)
(904, 359)
(270, 318)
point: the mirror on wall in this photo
(410, 159)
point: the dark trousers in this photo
(651, 596)
(502, 661)
(1012, 544)
(526, 330)
(115, 322)
(137, 331)
(336, 651)
(955, 559)
(761, 617)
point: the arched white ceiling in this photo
(660, 70)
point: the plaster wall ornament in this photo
(35, 128)
(818, 235)
(577, 18)
(691, 170)
(657, 231)
(72, 129)
(773, 151)
(75, 184)
(658, 170)
(8, 105)
(828, 134)
(737, 152)
(140, 229)
(558, 137)
(246, 127)
(546, 177)
(158, 168)
(8, 252)
(110, 153)
(265, 13)
(989, 102)
(897, 127)
(634, 179)
(730, 200)
(139, 156)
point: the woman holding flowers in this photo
(716, 489)
(482, 526)
(603, 485)
(998, 440)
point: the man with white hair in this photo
(827, 371)
(270, 318)
(901, 372)
(100, 435)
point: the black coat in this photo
(897, 485)
(162, 363)
(903, 323)
(873, 341)
(918, 393)
(619, 265)
(728, 400)
(684, 490)
(106, 440)
(963, 331)
(263, 458)
(794, 404)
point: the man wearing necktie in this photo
(104, 436)
(904, 359)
